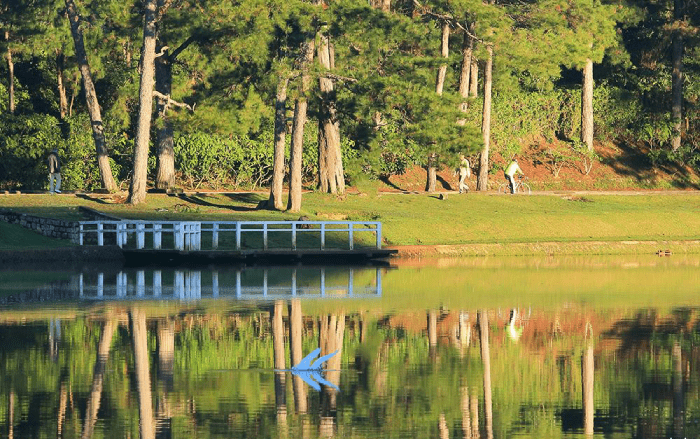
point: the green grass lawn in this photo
(13, 237)
(420, 218)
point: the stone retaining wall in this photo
(52, 228)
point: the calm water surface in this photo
(462, 348)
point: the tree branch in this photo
(450, 19)
(169, 101)
(329, 75)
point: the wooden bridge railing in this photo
(187, 235)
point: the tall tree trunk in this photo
(465, 70)
(137, 190)
(294, 202)
(444, 52)
(277, 186)
(62, 96)
(330, 164)
(165, 153)
(483, 180)
(474, 77)
(10, 76)
(439, 85)
(432, 173)
(677, 77)
(91, 101)
(587, 106)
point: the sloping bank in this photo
(663, 248)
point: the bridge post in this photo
(140, 235)
(157, 242)
(350, 237)
(294, 236)
(379, 236)
(80, 234)
(178, 236)
(265, 236)
(323, 236)
(215, 236)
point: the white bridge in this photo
(233, 235)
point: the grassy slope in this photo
(14, 237)
(420, 219)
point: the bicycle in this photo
(520, 186)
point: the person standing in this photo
(464, 173)
(510, 171)
(54, 172)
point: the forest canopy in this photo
(252, 93)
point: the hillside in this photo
(617, 168)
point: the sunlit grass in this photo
(424, 219)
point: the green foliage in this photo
(25, 141)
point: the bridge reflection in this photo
(268, 283)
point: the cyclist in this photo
(510, 171)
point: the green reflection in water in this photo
(412, 363)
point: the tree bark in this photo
(677, 78)
(165, 153)
(91, 100)
(474, 77)
(277, 186)
(432, 173)
(587, 106)
(10, 76)
(294, 201)
(331, 175)
(137, 190)
(483, 180)
(465, 70)
(62, 96)
(444, 52)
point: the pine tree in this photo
(90, 98)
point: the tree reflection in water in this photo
(145, 370)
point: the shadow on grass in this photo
(93, 199)
(241, 198)
(386, 181)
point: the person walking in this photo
(510, 171)
(54, 172)
(464, 173)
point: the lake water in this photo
(442, 348)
